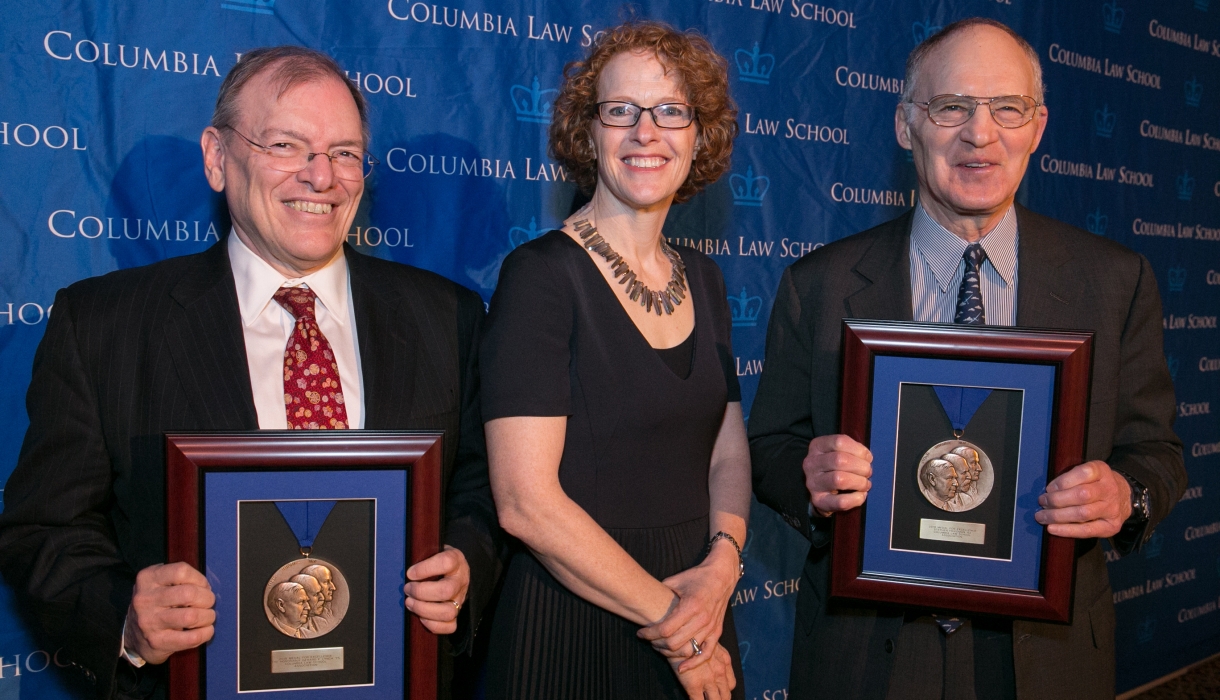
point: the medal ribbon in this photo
(960, 403)
(305, 518)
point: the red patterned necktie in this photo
(313, 396)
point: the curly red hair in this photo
(701, 71)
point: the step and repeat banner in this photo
(100, 169)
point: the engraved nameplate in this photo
(298, 660)
(946, 531)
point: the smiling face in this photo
(641, 166)
(971, 171)
(295, 221)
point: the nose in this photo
(981, 129)
(645, 130)
(319, 173)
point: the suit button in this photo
(889, 646)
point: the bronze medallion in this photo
(955, 476)
(306, 598)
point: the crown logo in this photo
(745, 309)
(1152, 548)
(1201, 5)
(1194, 92)
(920, 31)
(1096, 223)
(1103, 121)
(1186, 186)
(533, 104)
(1172, 361)
(1147, 629)
(259, 7)
(1177, 278)
(749, 189)
(754, 67)
(1112, 15)
(518, 235)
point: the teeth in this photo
(976, 165)
(645, 162)
(310, 207)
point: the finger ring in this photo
(698, 651)
(456, 605)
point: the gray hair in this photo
(921, 52)
(291, 66)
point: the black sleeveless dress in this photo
(636, 457)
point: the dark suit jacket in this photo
(1066, 278)
(133, 354)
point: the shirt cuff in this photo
(132, 658)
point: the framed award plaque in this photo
(305, 538)
(967, 425)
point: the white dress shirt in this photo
(267, 326)
(937, 268)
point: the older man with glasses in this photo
(217, 341)
(972, 115)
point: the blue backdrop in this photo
(100, 169)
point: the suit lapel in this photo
(1046, 289)
(204, 335)
(388, 336)
(885, 269)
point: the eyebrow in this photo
(670, 99)
(300, 137)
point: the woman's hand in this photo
(703, 594)
(711, 680)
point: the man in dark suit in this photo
(966, 254)
(279, 325)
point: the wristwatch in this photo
(722, 535)
(1139, 500)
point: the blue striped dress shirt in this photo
(937, 268)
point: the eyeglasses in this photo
(1009, 111)
(293, 157)
(671, 115)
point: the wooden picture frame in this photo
(192, 458)
(916, 349)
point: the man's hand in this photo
(171, 610)
(437, 588)
(703, 595)
(713, 680)
(1088, 500)
(837, 473)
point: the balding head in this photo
(973, 24)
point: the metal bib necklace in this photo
(664, 300)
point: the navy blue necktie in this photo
(970, 294)
(969, 311)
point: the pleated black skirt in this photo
(547, 643)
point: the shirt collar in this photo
(257, 282)
(942, 249)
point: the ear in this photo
(213, 158)
(1041, 120)
(902, 128)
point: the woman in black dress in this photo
(614, 427)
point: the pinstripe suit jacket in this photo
(133, 354)
(1067, 278)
